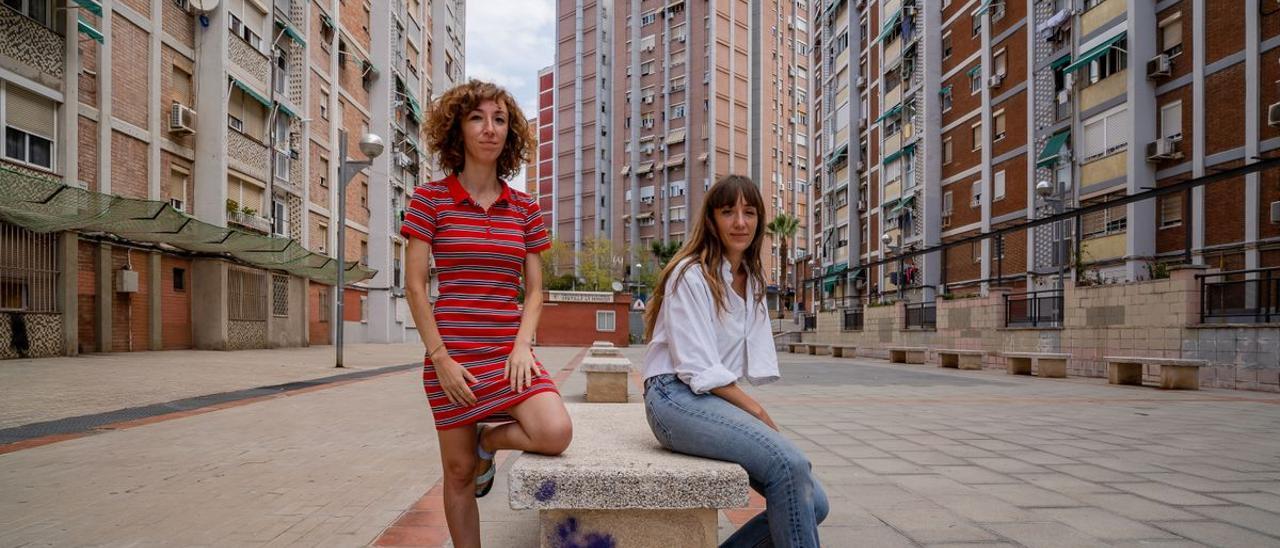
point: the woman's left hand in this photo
(521, 367)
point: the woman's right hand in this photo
(455, 380)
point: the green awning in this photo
(328, 21)
(251, 93)
(291, 33)
(945, 90)
(287, 112)
(88, 29)
(829, 284)
(1061, 62)
(414, 109)
(889, 25)
(92, 6)
(891, 112)
(904, 150)
(975, 70)
(837, 268)
(1096, 52)
(986, 5)
(839, 153)
(1049, 155)
(902, 204)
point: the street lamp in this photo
(887, 240)
(371, 146)
(1052, 205)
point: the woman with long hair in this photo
(708, 328)
(479, 365)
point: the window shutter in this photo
(30, 112)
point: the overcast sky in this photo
(508, 42)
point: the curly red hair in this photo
(444, 127)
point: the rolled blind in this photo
(30, 112)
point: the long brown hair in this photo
(444, 127)
(705, 248)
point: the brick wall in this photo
(1224, 221)
(319, 330)
(175, 304)
(178, 24)
(129, 85)
(1226, 87)
(88, 81)
(1222, 22)
(87, 152)
(130, 314)
(86, 295)
(319, 193)
(575, 323)
(128, 166)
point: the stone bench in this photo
(600, 344)
(1175, 373)
(959, 359)
(907, 354)
(798, 348)
(604, 352)
(843, 350)
(1046, 364)
(616, 485)
(606, 379)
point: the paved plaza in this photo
(909, 455)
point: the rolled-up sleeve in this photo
(691, 317)
(419, 217)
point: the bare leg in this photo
(542, 426)
(458, 456)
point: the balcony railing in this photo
(921, 315)
(1033, 309)
(1240, 296)
(851, 319)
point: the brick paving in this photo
(910, 456)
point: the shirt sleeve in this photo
(419, 217)
(690, 314)
(536, 239)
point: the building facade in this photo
(230, 112)
(935, 121)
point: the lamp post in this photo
(371, 146)
(1052, 205)
(887, 240)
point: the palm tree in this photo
(664, 251)
(783, 227)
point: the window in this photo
(677, 111)
(322, 231)
(245, 298)
(1106, 134)
(1000, 61)
(977, 26)
(976, 251)
(324, 104)
(646, 68)
(1170, 210)
(364, 252)
(975, 79)
(1171, 35)
(946, 99)
(324, 173)
(975, 194)
(977, 136)
(279, 218)
(1171, 121)
(606, 320)
(1107, 222)
(323, 296)
(946, 203)
(648, 18)
(997, 185)
(946, 45)
(648, 43)
(946, 151)
(30, 124)
(35, 9)
(892, 172)
(1114, 60)
(997, 120)
(279, 296)
(179, 280)
(677, 214)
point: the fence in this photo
(921, 315)
(1240, 296)
(851, 319)
(1033, 309)
(28, 270)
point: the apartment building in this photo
(944, 117)
(170, 122)
(542, 183)
(656, 100)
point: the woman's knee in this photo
(459, 471)
(556, 437)
(821, 506)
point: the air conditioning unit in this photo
(862, 82)
(862, 206)
(403, 160)
(1275, 212)
(182, 119)
(1159, 66)
(1273, 115)
(648, 100)
(1064, 97)
(1163, 149)
(995, 80)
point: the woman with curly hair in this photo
(479, 365)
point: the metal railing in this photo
(851, 319)
(1033, 309)
(808, 322)
(921, 315)
(29, 270)
(1240, 296)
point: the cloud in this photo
(508, 41)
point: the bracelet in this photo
(432, 353)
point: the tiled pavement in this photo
(910, 456)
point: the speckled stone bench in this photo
(959, 359)
(843, 350)
(907, 354)
(1047, 364)
(604, 352)
(798, 348)
(615, 486)
(1175, 374)
(606, 379)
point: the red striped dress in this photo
(479, 259)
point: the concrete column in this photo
(210, 170)
(69, 114)
(68, 291)
(1198, 129)
(382, 324)
(988, 244)
(105, 299)
(1140, 236)
(931, 265)
(155, 333)
(209, 304)
(104, 101)
(1252, 120)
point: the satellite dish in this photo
(617, 286)
(203, 6)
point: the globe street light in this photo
(1053, 206)
(371, 146)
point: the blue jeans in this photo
(708, 426)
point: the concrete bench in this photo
(604, 352)
(606, 379)
(907, 354)
(798, 348)
(1175, 373)
(959, 359)
(843, 350)
(1046, 364)
(616, 485)
(599, 344)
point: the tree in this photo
(664, 251)
(597, 266)
(783, 227)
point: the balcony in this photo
(37, 49)
(252, 63)
(1104, 90)
(1100, 15)
(248, 155)
(251, 222)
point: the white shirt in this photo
(707, 348)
